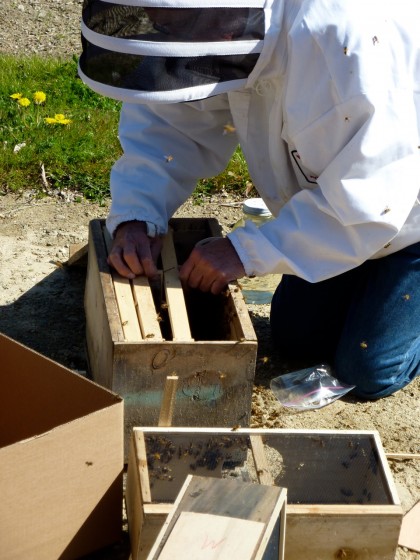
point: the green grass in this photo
(78, 155)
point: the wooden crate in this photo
(138, 334)
(341, 498)
(217, 520)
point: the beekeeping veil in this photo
(169, 51)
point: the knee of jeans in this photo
(376, 377)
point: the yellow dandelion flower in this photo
(59, 118)
(24, 101)
(39, 97)
(16, 95)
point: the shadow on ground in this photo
(49, 318)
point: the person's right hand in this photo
(133, 253)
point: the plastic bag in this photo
(308, 388)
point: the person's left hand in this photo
(212, 264)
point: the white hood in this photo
(169, 51)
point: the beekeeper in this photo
(324, 99)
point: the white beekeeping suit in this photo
(322, 96)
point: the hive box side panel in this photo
(367, 533)
(133, 501)
(103, 325)
(214, 388)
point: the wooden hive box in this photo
(138, 335)
(217, 520)
(341, 498)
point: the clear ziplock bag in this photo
(309, 388)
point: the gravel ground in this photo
(47, 27)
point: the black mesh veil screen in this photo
(134, 48)
(162, 73)
(173, 24)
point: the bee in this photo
(363, 344)
(347, 119)
(406, 297)
(169, 158)
(235, 428)
(345, 50)
(58, 264)
(386, 210)
(228, 129)
(249, 187)
(387, 245)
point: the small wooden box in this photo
(341, 498)
(216, 519)
(138, 334)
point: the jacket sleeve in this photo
(166, 149)
(356, 130)
(362, 201)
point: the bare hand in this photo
(133, 252)
(213, 263)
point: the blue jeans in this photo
(365, 323)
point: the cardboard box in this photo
(61, 459)
(138, 335)
(341, 498)
(219, 520)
